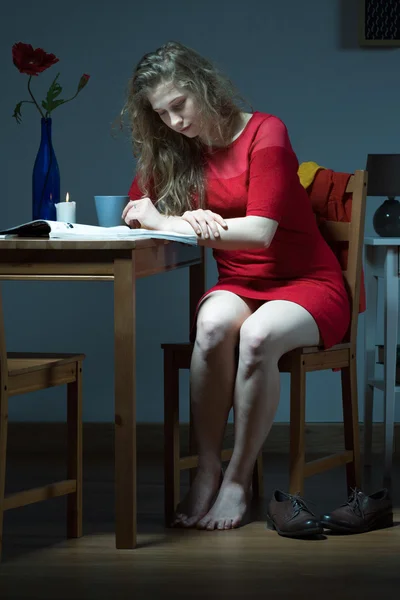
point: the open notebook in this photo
(75, 231)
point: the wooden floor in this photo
(250, 562)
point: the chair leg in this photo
(74, 425)
(171, 437)
(3, 453)
(350, 421)
(258, 477)
(370, 353)
(297, 427)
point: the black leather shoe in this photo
(290, 516)
(361, 513)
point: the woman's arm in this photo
(250, 232)
(241, 233)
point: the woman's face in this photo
(177, 108)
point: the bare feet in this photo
(199, 499)
(229, 508)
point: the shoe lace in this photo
(300, 504)
(355, 502)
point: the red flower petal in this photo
(83, 81)
(31, 61)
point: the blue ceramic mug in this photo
(109, 210)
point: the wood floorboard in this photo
(250, 562)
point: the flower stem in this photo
(29, 90)
(69, 99)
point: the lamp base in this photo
(386, 219)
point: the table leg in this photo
(197, 287)
(391, 304)
(371, 285)
(125, 402)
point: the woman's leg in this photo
(274, 329)
(212, 377)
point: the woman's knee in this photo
(213, 330)
(276, 328)
(219, 322)
(256, 346)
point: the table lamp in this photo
(384, 180)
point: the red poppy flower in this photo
(31, 61)
(83, 81)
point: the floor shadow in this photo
(33, 529)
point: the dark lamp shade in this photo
(383, 175)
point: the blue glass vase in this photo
(45, 177)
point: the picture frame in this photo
(379, 23)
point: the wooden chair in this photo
(297, 362)
(23, 373)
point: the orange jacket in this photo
(331, 202)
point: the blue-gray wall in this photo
(298, 60)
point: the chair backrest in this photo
(350, 236)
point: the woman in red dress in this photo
(206, 165)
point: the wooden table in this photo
(123, 262)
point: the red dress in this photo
(257, 175)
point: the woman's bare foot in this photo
(228, 509)
(199, 499)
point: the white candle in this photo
(66, 211)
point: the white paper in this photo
(68, 231)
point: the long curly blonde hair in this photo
(170, 166)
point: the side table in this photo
(381, 261)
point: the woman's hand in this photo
(204, 221)
(142, 213)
